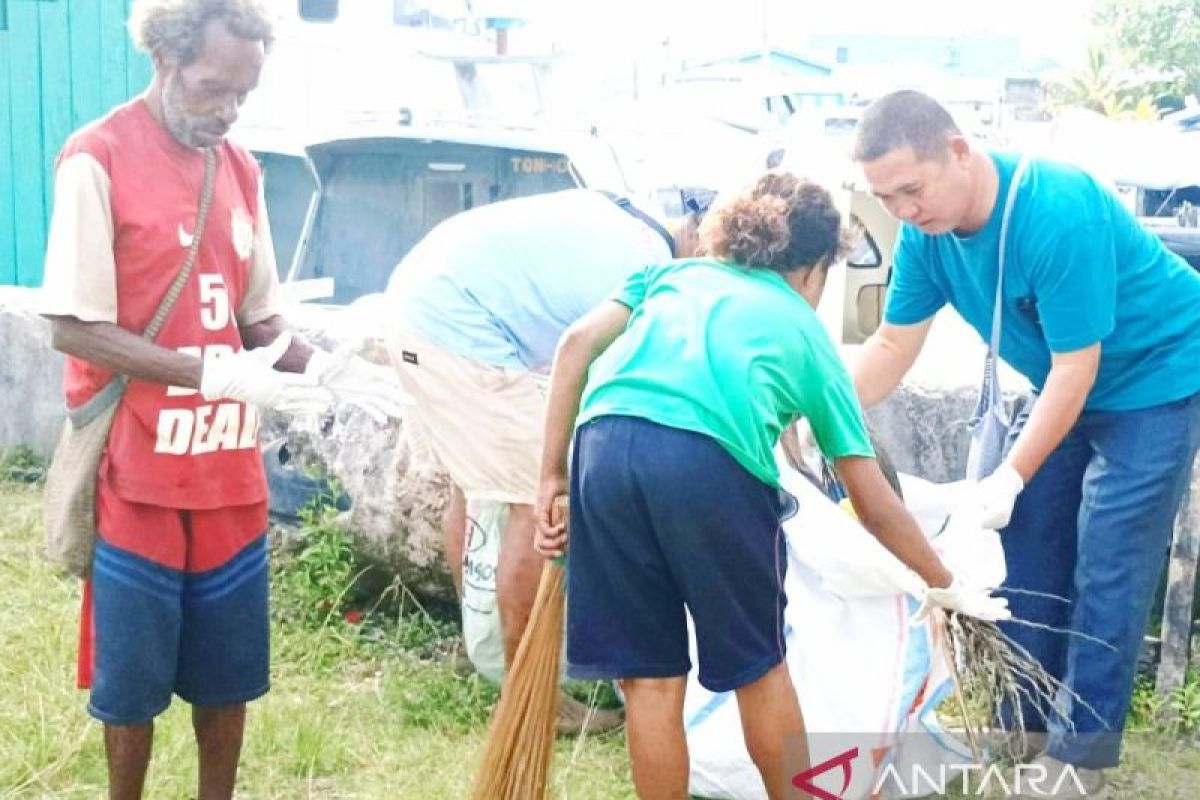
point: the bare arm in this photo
(884, 515)
(124, 352)
(582, 344)
(886, 358)
(1068, 384)
(130, 354)
(264, 332)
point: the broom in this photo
(520, 743)
(998, 673)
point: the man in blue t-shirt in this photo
(479, 305)
(1102, 320)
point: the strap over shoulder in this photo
(1009, 202)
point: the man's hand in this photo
(351, 379)
(979, 603)
(996, 494)
(250, 377)
(550, 512)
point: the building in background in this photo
(966, 55)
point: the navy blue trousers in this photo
(1094, 527)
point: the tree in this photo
(1097, 86)
(1160, 36)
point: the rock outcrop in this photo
(31, 406)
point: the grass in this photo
(21, 464)
(358, 710)
(363, 711)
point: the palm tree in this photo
(1099, 86)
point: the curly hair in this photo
(175, 28)
(781, 223)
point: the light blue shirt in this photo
(1080, 270)
(500, 283)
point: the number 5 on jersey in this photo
(214, 301)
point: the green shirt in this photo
(733, 353)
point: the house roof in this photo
(775, 54)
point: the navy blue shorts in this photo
(176, 605)
(663, 518)
(160, 632)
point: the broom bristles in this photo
(1003, 675)
(520, 743)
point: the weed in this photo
(1177, 714)
(436, 698)
(22, 465)
(397, 621)
(602, 694)
(1183, 706)
(1145, 707)
(312, 581)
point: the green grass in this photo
(21, 464)
(355, 711)
(358, 711)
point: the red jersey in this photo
(126, 200)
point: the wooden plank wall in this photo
(8, 264)
(62, 64)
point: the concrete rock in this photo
(924, 429)
(396, 507)
(922, 443)
(31, 406)
(397, 501)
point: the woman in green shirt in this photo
(692, 371)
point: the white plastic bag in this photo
(860, 669)
(480, 614)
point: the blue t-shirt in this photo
(500, 283)
(1080, 270)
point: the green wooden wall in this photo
(62, 63)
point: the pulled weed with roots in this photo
(997, 678)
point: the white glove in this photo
(971, 552)
(980, 603)
(351, 379)
(996, 495)
(250, 376)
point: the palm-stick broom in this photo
(520, 742)
(1000, 674)
(951, 658)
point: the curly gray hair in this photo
(175, 27)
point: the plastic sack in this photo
(480, 614)
(863, 673)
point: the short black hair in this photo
(906, 118)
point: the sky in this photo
(713, 26)
(696, 29)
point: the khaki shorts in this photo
(483, 424)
